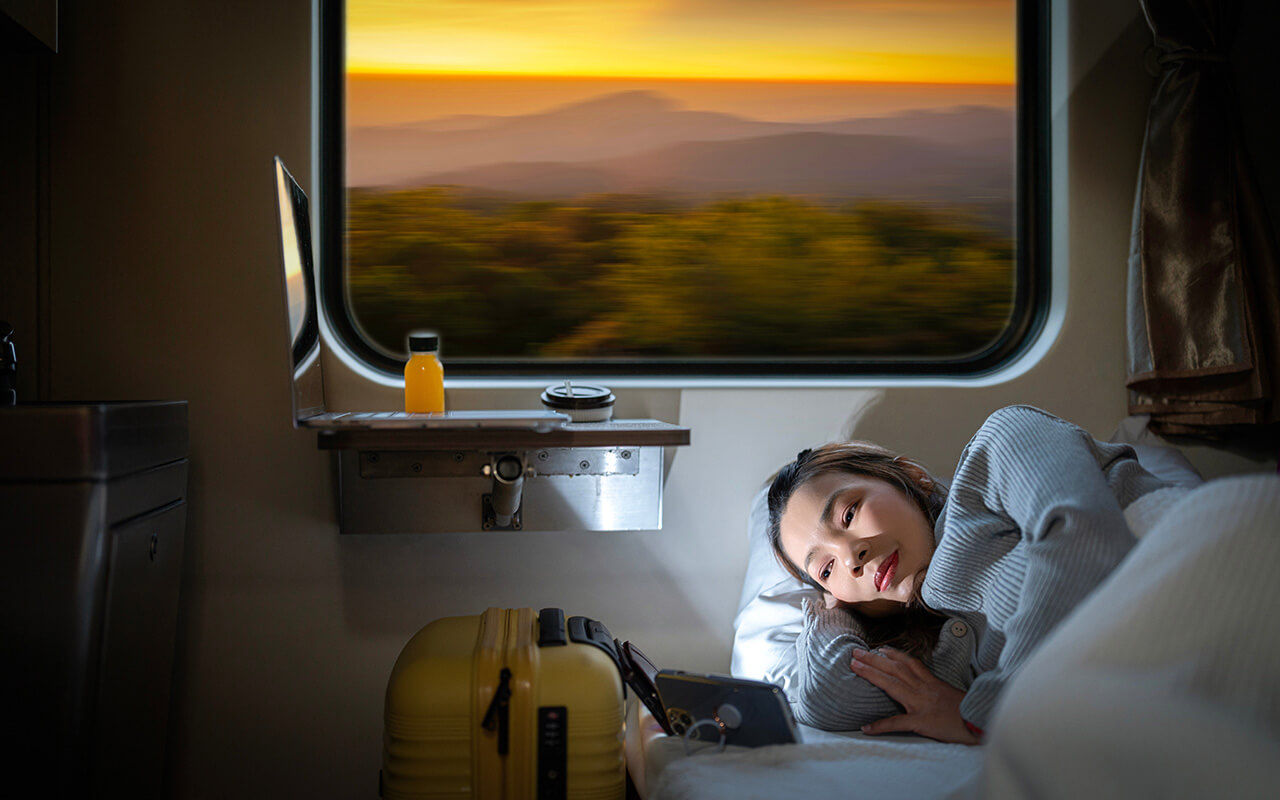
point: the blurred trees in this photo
(623, 276)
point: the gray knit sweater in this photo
(1033, 523)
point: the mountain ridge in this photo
(620, 124)
(803, 163)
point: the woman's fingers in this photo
(891, 661)
(887, 675)
(912, 663)
(902, 723)
(932, 706)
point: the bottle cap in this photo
(423, 342)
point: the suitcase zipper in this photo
(499, 711)
(488, 768)
(505, 680)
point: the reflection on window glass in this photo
(685, 179)
(295, 290)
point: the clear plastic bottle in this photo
(423, 375)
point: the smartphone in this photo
(640, 674)
(749, 713)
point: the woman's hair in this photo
(916, 630)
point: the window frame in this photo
(1032, 209)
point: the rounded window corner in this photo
(1030, 322)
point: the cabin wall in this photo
(162, 284)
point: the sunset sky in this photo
(933, 42)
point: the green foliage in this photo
(626, 276)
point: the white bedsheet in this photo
(907, 767)
(846, 764)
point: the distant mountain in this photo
(630, 103)
(818, 164)
(456, 122)
(615, 125)
(602, 127)
(539, 179)
(955, 125)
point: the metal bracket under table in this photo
(601, 476)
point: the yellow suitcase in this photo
(507, 704)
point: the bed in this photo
(1165, 682)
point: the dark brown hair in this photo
(915, 631)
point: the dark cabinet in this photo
(92, 518)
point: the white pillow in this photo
(1165, 462)
(769, 611)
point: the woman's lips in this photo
(884, 575)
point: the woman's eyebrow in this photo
(831, 503)
(809, 557)
(827, 508)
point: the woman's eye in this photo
(825, 572)
(848, 515)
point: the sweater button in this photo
(959, 629)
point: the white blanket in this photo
(1164, 683)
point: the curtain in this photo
(1204, 289)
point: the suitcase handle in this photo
(588, 631)
(631, 663)
(551, 632)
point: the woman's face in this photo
(862, 539)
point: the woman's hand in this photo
(932, 705)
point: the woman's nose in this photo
(857, 558)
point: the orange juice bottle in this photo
(423, 375)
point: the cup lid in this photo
(571, 396)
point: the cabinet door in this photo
(140, 625)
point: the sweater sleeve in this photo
(828, 695)
(1045, 481)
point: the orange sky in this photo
(918, 41)
(395, 99)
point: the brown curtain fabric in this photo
(1204, 289)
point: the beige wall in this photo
(163, 285)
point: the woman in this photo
(956, 594)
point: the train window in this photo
(693, 187)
